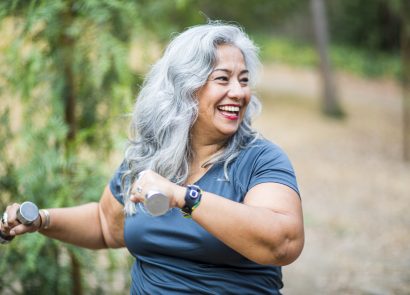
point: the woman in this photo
(192, 140)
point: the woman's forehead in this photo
(229, 58)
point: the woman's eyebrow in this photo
(229, 71)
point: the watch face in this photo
(193, 193)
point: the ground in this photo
(353, 181)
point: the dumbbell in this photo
(26, 214)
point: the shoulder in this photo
(262, 149)
(263, 161)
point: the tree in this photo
(405, 49)
(401, 8)
(66, 63)
(330, 104)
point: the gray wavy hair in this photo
(167, 107)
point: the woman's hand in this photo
(148, 180)
(91, 225)
(10, 225)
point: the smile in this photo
(229, 111)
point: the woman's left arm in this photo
(267, 228)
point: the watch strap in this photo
(193, 197)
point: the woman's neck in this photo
(203, 151)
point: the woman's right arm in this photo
(93, 225)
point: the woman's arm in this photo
(267, 228)
(92, 225)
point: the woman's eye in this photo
(244, 81)
(222, 78)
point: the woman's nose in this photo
(236, 90)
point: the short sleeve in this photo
(266, 162)
(116, 183)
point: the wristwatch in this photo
(193, 197)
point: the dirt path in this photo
(355, 187)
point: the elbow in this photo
(288, 253)
(289, 248)
(284, 254)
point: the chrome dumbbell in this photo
(156, 203)
(26, 214)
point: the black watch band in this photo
(193, 196)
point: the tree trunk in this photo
(69, 97)
(405, 56)
(330, 103)
(66, 47)
(77, 288)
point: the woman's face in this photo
(224, 97)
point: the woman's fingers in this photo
(22, 229)
(9, 218)
(11, 226)
(137, 190)
(148, 181)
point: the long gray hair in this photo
(167, 107)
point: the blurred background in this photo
(336, 93)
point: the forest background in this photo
(69, 74)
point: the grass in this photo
(357, 61)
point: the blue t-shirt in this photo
(175, 255)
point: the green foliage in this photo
(359, 61)
(286, 51)
(56, 51)
(365, 62)
(261, 15)
(372, 25)
(166, 17)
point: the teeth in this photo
(229, 108)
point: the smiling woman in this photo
(236, 214)
(225, 96)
